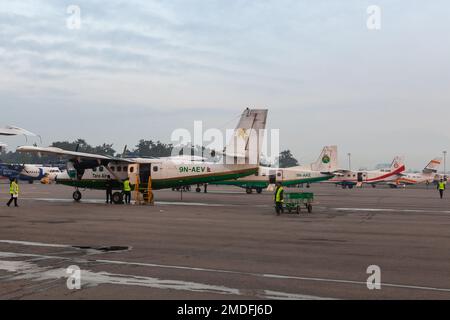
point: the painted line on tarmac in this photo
(28, 270)
(260, 275)
(35, 244)
(389, 210)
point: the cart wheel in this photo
(309, 208)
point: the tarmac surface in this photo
(225, 245)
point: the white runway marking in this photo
(391, 210)
(260, 275)
(35, 244)
(27, 270)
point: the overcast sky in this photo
(140, 69)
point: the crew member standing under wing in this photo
(279, 198)
(127, 190)
(109, 189)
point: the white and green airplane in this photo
(92, 171)
(321, 170)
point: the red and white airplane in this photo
(428, 175)
(348, 178)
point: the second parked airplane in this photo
(347, 178)
(321, 170)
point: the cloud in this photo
(317, 67)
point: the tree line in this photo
(144, 148)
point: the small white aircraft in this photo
(91, 171)
(347, 178)
(29, 172)
(428, 175)
(321, 170)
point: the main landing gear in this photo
(77, 196)
(250, 190)
(117, 197)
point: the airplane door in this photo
(144, 173)
(360, 176)
(275, 176)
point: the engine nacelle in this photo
(76, 169)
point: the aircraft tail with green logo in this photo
(327, 161)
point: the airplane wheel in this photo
(77, 196)
(350, 187)
(30, 181)
(259, 190)
(374, 186)
(198, 190)
(117, 198)
(249, 191)
(344, 186)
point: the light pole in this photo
(445, 162)
(349, 161)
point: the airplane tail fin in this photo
(246, 141)
(398, 165)
(327, 161)
(433, 166)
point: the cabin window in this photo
(94, 169)
(279, 174)
(100, 169)
(125, 169)
(155, 169)
(113, 168)
(119, 169)
(131, 169)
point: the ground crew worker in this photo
(109, 189)
(279, 198)
(127, 190)
(441, 187)
(14, 192)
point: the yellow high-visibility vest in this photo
(14, 188)
(441, 185)
(126, 186)
(278, 194)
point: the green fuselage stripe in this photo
(265, 183)
(159, 183)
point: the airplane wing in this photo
(73, 155)
(340, 172)
(14, 131)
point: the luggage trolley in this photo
(293, 201)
